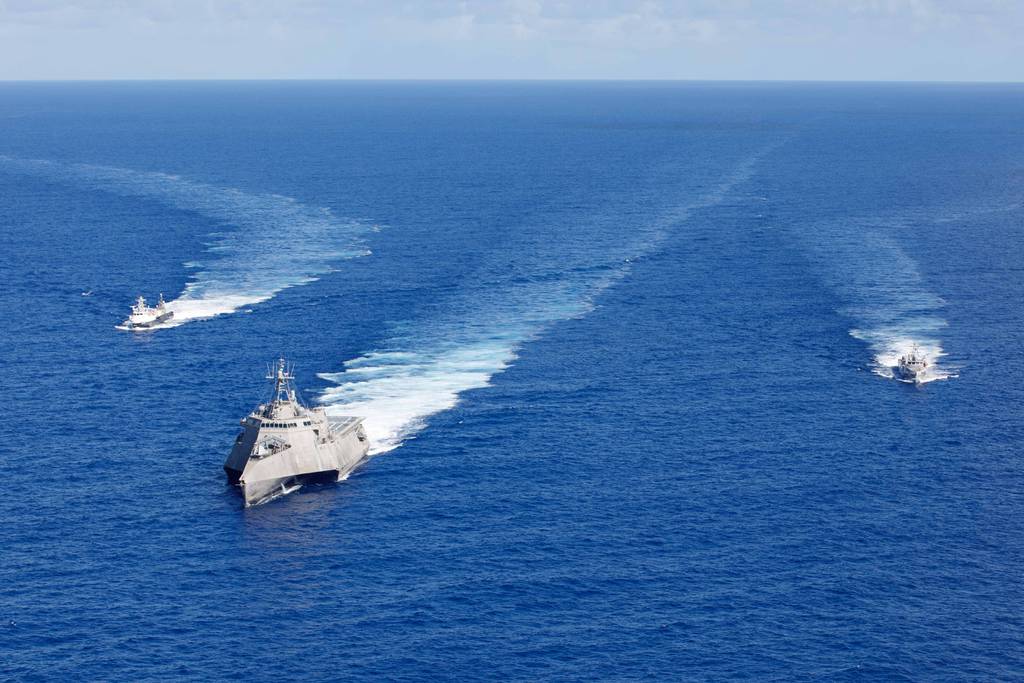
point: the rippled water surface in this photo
(624, 353)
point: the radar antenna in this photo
(282, 373)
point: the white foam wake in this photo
(884, 294)
(398, 391)
(889, 346)
(416, 375)
(267, 243)
(424, 369)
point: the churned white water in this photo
(398, 391)
(425, 368)
(882, 293)
(265, 243)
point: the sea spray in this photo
(882, 292)
(428, 364)
(267, 242)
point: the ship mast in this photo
(282, 374)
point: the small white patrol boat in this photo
(911, 367)
(143, 316)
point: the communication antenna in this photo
(281, 373)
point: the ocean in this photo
(624, 351)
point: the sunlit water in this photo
(624, 352)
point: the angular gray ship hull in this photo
(284, 444)
(310, 457)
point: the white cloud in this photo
(514, 38)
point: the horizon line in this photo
(391, 79)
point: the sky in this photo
(876, 40)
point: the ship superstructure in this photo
(911, 367)
(284, 444)
(144, 317)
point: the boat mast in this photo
(282, 374)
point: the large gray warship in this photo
(285, 444)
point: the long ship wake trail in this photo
(265, 242)
(427, 365)
(884, 294)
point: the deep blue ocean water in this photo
(623, 350)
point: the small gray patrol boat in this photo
(285, 444)
(911, 367)
(144, 317)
